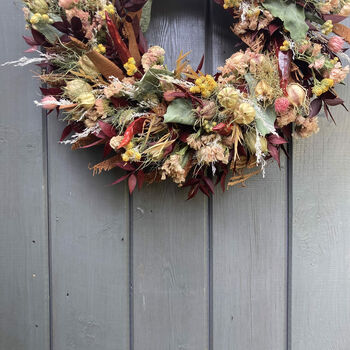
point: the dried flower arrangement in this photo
(181, 124)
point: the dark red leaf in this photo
(134, 5)
(273, 150)
(200, 66)
(223, 129)
(107, 150)
(140, 179)
(315, 107)
(62, 27)
(30, 41)
(276, 140)
(98, 142)
(107, 129)
(132, 183)
(172, 95)
(51, 92)
(209, 184)
(66, 131)
(334, 18)
(119, 102)
(120, 179)
(125, 166)
(223, 181)
(193, 191)
(204, 189)
(333, 101)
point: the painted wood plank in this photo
(170, 235)
(24, 291)
(320, 278)
(249, 246)
(89, 251)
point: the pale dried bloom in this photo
(345, 11)
(316, 50)
(207, 111)
(115, 141)
(319, 63)
(338, 73)
(308, 127)
(172, 168)
(236, 63)
(212, 153)
(194, 141)
(89, 123)
(114, 89)
(66, 4)
(84, 17)
(100, 107)
(336, 43)
(286, 118)
(154, 55)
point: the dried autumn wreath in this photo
(157, 123)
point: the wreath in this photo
(196, 129)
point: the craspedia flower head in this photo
(245, 114)
(205, 85)
(228, 97)
(282, 105)
(130, 66)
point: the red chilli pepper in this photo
(134, 128)
(119, 44)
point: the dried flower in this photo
(296, 94)
(76, 87)
(205, 85)
(338, 73)
(245, 114)
(207, 111)
(345, 11)
(307, 127)
(49, 103)
(154, 55)
(86, 100)
(228, 97)
(115, 141)
(67, 4)
(172, 167)
(130, 66)
(263, 91)
(282, 105)
(336, 43)
(39, 6)
(250, 140)
(286, 118)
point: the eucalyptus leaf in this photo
(149, 84)
(146, 16)
(180, 111)
(265, 119)
(292, 15)
(50, 33)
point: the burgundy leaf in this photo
(334, 18)
(125, 166)
(334, 101)
(66, 131)
(98, 142)
(132, 183)
(51, 91)
(204, 189)
(200, 66)
(30, 41)
(276, 140)
(193, 191)
(140, 179)
(62, 27)
(273, 150)
(38, 37)
(107, 129)
(315, 107)
(223, 181)
(120, 179)
(133, 5)
(209, 184)
(107, 150)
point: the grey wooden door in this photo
(83, 266)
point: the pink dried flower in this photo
(338, 73)
(49, 103)
(336, 43)
(319, 63)
(67, 4)
(154, 55)
(281, 105)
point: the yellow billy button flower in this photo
(100, 49)
(323, 86)
(328, 82)
(125, 157)
(205, 85)
(231, 3)
(36, 18)
(245, 114)
(130, 66)
(327, 27)
(110, 9)
(285, 46)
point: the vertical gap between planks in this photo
(289, 245)
(209, 69)
(46, 185)
(131, 267)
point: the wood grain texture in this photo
(24, 287)
(249, 247)
(320, 285)
(170, 235)
(89, 251)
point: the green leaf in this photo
(292, 15)
(265, 119)
(149, 84)
(49, 32)
(180, 111)
(146, 16)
